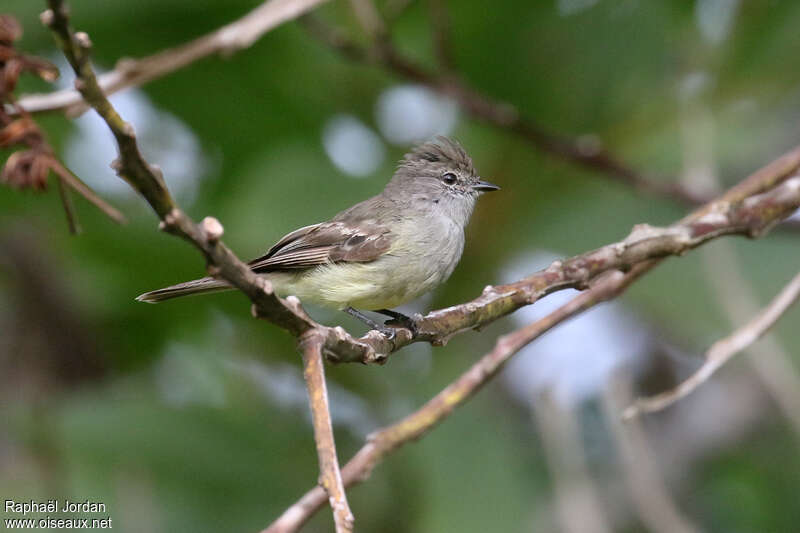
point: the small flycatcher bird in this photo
(380, 253)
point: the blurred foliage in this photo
(174, 436)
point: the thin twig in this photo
(69, 208)
(722, 351)
(228, 39)
(732, 289)
(585, 151)
(657, 509)
(64, 175)
(68, 178)
(330, 475)
(578, 504)
(769, 359)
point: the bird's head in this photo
(439, 175)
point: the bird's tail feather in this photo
(197, 286)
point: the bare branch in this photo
(722, 351)
(751, 209)
(69, 208)
(206, 236)
(31, 166)
(226, 40)
(769, 359)
(330, 475)
(646, 486)
(68, 178)
(387, 440)
(576, 498)
(769, 186)
(733, 213)
(148, 181)
(585, 151)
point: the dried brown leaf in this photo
(10, 29)
(22, 130)
(27, 169)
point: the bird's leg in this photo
(389, 332)
(400, 319)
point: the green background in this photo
(191, 416)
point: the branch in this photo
(768, 359)
(30, 167)
(69, 208)
(751, 209)
(585, 151)
(769, 189)
(387, 440)
(68, 178)
(330, 475)
(656, 507)
(147, 180)
(576, 497)
(722, 351)
(226, 40)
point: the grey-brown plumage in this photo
(381, 252)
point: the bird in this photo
(380, 253)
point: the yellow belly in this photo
(359, 285)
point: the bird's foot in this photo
(399, 319)
(389, 333)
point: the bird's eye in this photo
(449, 178)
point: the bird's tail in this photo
(197, 286)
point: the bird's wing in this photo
(328, 242)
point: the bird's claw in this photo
(405, 322)
(389, 333)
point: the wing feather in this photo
(328, 242)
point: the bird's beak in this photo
(485, 186)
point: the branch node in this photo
(82, 40)
(170, 219)
(156, 171)
(47, 17)
(80, 84)
(128, 131)
(641, 232)
(212, 228)
(126, 65)
(715, 217)
(555, 266)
